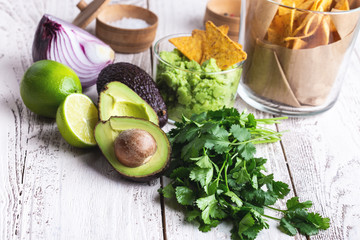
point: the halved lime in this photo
(76, 118)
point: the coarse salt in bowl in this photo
(130, 23)
(126, 28)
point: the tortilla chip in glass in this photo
(220, 47)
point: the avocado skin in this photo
(139, 81)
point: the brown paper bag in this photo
(267, 79)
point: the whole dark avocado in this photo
(139, 81)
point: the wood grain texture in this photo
(323, 156)
(50, 190)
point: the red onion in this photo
(66, 43)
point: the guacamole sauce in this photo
(188, 87)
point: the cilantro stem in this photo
(222, 167)
(270, 120)
(276, 209)
(273, 218)
(226, 180)
(262, 139)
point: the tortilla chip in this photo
(221, 48)
(322, 34)
(224, 29)
(190, 46)
(297, 29)
(200, 35)
(212, 43)
(297, 43)
(342, 5)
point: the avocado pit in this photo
(134, 147)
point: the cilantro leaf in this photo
(248, 151)
(180, 172)
(202, 175)
(192, 215)
(203, 161)
(318, 221)
(253, 231)
(306, 228)
(251, 121)
(219, 132)
(287, 227)
(190, 133)
(209, 208)
(184, 195)
(241, 176)
(235, 198)
(279, 189)
(293, 204)
(168, 191)
(219, 144)
(241, 134)
(245, 223)
(192, 148)
(207, 227)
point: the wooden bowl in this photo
(225, 12)
(126, 40)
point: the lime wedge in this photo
(76, 118)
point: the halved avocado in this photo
(139, 81)
(107, 131)
(117, 99)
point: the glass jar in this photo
(297, 59)
(187, 87)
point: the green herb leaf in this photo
(235, 198)
(306, 228)
(287, 227)
(279, 189)
(168, 191)
(202, 175)
(209, 208)
(241, 134)
(203, 161)
(248, 151)
(318, 221)
(184, 195)
(192, 215)
(293, 204)
(245, 223)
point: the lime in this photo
(46, 84)
(76, 118)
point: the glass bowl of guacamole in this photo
(188, 87)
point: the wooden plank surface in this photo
(323, 153)
(49, 190)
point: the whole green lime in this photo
(46, 84)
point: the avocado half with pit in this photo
(117, 99)
(122, 140)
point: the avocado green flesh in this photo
(106, 132)
(119, 100)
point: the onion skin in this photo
(66, 43)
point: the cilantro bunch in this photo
(216, 177)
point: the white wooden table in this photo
(50, 190)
